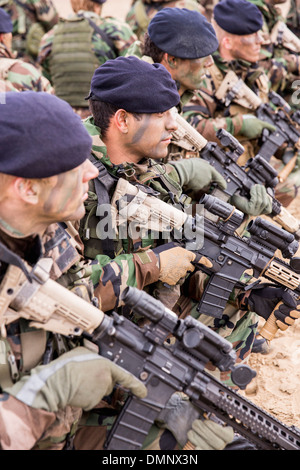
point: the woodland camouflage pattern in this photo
(34, 11)
(20, 75)
(142, 11)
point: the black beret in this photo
(6, 25)
(134, 85)
(183, 33)
(99, 1)
(238, 17)
(40, 135)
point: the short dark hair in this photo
(151, 50)
(103, 112)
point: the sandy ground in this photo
(277, 385)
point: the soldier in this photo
(15, 73)
(40, 189)
(31, 19)
(61, 57)
(142, 11)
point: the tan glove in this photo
(176, 262)
(78, 378)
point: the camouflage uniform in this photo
(142, 11)
(19, 75)
(207, 115)
(31, 19)
(101, 39)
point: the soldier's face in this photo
(63, 197)
(247, 47)
(190, 72)
(150, 134)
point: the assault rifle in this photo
(165, 367)
(230, 254)
(239, 179)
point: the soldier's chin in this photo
(76, 215)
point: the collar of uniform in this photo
(236, 64)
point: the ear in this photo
(121, 120)
(27, 190)
(169, 61)
(227, 43)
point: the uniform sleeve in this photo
(24, 77)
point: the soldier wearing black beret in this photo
(44, 175)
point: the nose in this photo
(259, 38)
(171, 120)
(90, 171)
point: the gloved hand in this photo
(175, 262)
(259, 203)
(209, 435)
(78, 378)
(264, 298)
(252, 127)
(183, 421)
(196, 174)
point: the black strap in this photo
(8, 257)
(104, 36)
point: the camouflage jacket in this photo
(142, 11)
(118, 33)
(19, 75)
